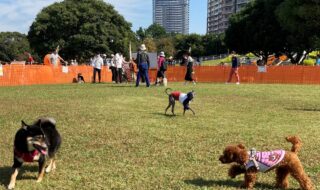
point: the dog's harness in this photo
(178, 96)
(264, 161)
(26, 156)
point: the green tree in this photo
(166, 45)
(155, 31)
(213, 44)
(13, 46)
(150, 44)
(80, 28)
(141, 34)
(301, 20)
(193, 41)
(256, 30)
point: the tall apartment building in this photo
(219, 12)
(173, 15)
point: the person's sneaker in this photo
(238, 83)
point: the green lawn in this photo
(117, 137)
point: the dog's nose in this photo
(221, 159)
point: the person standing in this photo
(188, 61)
(234, 68)
(30, 59)
(55, 58)
(318, 60)
(118, 64)
(97, 65)
(161, 69)
(143, 63)
(133, 69)
(113, 68)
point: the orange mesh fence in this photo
(42, 74)
(249, 74)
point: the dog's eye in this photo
(39, 137)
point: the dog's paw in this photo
(48, 169)
(39, 179)
(11, 186)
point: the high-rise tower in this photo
(173, 15)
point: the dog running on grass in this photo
(252, 162)
(35, 143)
(182, 98)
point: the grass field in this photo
(117, 137)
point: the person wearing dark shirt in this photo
(234, 68)
(143, 64)
(188, 61)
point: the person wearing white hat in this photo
(161, 68)
(143, 63)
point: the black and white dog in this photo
(35, 143)
(182, 98)
(80, 78)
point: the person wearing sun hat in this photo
(143, 64)
(161, 69)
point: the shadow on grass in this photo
(304, 109)
(122, 86)
(166, 115)
(5, 173)
(228, 183)
(207, 183)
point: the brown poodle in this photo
(251, 162)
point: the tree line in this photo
(265, 27)
(83, 28)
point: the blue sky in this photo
(18, 15)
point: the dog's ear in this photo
(38, 123)
(241, 146)
(24, 125)
(242, 157)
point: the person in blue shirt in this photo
(318, 60)
(234, 68)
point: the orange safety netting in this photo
(43, 74)
(249, 74)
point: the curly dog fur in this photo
(289, 165)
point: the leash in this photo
(252, 158)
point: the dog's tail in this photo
(167, 91)
(296, 143)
